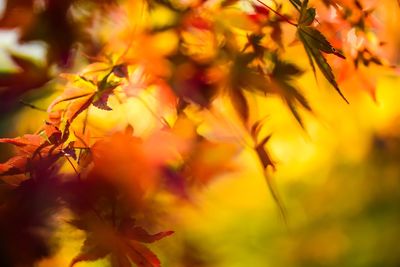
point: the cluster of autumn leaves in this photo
(114, 178)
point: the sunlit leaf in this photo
(314, 42)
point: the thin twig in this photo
(277, 13)
(23, 102)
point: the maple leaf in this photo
(79, 95)
(279, 81)
(191, 83)
(123, 242)
(107, 83)
(34, 155)
(101, 100)
(81, 92)
(314, 42)
(264, 157)
(14, 165)
(243, 77)
(282, 77)
(90, 251)
(266, 162)
(26, 145)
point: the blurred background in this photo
(339, 179)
